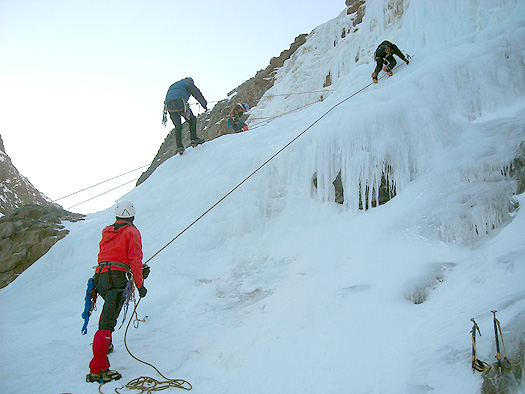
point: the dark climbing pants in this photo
(389, 61)
(110, 286)
(179, 108)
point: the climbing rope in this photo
(268, 119)
(259, 168)
(294, 93)
(100, 183)
(50, 215)
(146, 384)
(101, 194)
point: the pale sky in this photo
(82, 82)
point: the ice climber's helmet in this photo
(246, 107)
(124, 209)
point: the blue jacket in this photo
(183, 89)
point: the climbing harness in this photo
(477, 364)
(90, 304)
(128, 293)
(174, 106)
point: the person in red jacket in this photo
(119, 260)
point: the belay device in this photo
(89, 304)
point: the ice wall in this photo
(467, 66)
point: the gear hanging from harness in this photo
(179, 105)
(90, 304)
(165, 115)
(127, 294)
(128, 291)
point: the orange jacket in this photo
(121, 243)
(237, 111)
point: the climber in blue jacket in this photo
(176, 104)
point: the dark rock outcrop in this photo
(517, 168)
(31, 225)
(15, 189)
(27, 234)
(356, 7)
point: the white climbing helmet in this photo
(124, 209)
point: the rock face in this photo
(356, 7)
(27, 234)
(517, 168)
(15, 189)
(213, 124)
(31, 225)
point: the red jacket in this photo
(121, 243)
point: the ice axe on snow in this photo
(477, 364)
(505, 362)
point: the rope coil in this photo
(146, 384)
(149, 385)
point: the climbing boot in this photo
(388, 71)
(197, 141)
(103, 377)
(374, 77)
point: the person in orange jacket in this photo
(119, 260)
(235, 121)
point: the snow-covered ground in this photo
(278, 289)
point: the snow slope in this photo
(278, 289)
